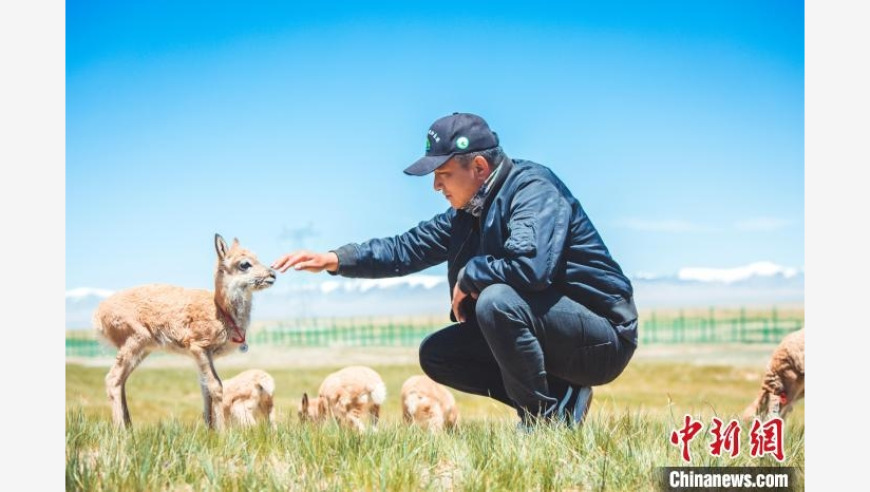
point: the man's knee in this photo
(431, 359)
(493, 301)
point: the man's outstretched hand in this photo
(308, 261)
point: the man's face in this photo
(459, 184)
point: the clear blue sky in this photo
(678, 125)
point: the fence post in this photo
(703, 328)
(776, 330)
(712, 324)
(682, 327)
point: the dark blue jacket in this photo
(533, 235)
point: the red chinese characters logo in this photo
(684, 436)
(727, 440)
(766, 438)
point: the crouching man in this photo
(543, 312)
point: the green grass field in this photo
(624, 441)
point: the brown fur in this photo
(428, 404)
(347, 396)
(248, 398)
(784, 377)
(191, 322)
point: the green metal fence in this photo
(738, 326)
(663, 327)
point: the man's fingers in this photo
(314, 263)
(305, 260)
(281, 264)
(284, 263)
(288, 262)
(306, 265)
(458, 296)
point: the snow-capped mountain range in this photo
(756, 284)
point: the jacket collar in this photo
(506, 166)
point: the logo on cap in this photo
(462, 143)
(428, 145)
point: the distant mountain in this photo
(757, 284)
(400, 296)
(753, 271)
(80, 305)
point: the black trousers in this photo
(524, 348)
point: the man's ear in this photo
(481, 166)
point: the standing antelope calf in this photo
(428, 404)
(347, 396)
(198, 323)
(783, 382)
(248, 398)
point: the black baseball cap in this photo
(458, 133)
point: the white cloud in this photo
(730, 275)
(350, 285)
(763, 224)
(329, 286)
(364, 285)
(646, 276)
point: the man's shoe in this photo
(573, 406)
(567, 399)
(570, 410)
(576, 411)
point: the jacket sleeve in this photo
(417, 249)
(537, 229)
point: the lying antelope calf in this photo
(428, 404)
(783, 382)
(247, 398)
(197, 323)
(347, 395)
